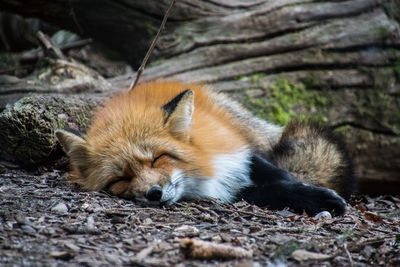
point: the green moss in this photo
(343, 130)
(378, 103)
(44, 74)
(384, 32)
(283, 100)
(28, 125)
(310, 81)
(254, 78)
(156, 62)
(380, 107)
(82, 120)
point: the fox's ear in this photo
(75, 146)
(178, 114)
(70, 140)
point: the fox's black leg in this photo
(276, 188)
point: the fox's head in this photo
(135, 149)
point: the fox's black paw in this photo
(278, 189)
(324, 199)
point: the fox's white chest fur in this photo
(231, 174)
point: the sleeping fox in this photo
(167, 141)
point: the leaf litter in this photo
(44, 220)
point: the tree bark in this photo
(28, 127)
(345, 53)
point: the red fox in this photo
(167, 141)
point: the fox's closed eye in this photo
(115, 180)
(162, 155)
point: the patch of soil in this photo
(46, 221)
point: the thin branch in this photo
(153, 44)
(348, 254)
(33, 55)
(49, 47)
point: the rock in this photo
(186, 231)
(60, 208)
(323, 215)
(28, 229)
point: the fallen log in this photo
(283, 59)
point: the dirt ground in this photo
(44, 220)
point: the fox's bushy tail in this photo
(314, 155)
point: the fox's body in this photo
(168, 141)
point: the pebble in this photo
(323, 215)
(28, 229)
(60, 208)
(148, 221)
(186, 231)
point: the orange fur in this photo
(133, 129)
(129, 132)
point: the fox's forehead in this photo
(139, 147)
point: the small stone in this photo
(216, 239)
(323, 215)
(85, 206)
(148, 221)
(63, 116)
(28, 228)
(186, 231)
(60, 208)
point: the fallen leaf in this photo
(360, 208)
(373, 217)
(312, 220)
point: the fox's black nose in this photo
(155, 193)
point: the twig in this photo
(204, 209)
(37, 53)
(153, 44)
(75, 19)
(245, 213)
(348, 254)
(49, 47)
(220, 209)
